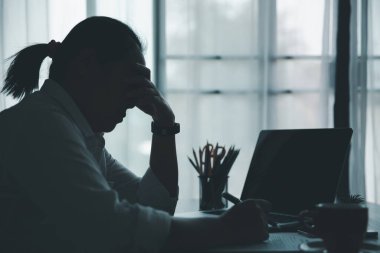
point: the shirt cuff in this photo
(153, 228)
(152, 193)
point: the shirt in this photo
(61, 191)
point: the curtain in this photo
(358, 95)
(328, 56)
(372, 155)
(364, 107)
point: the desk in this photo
(289, 242)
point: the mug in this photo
(341, 226)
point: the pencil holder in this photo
(210, 192)
(213, 163)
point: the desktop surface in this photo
(277, 242)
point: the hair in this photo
(110, 38)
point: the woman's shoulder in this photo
(34, 113)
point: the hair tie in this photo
(53, 47)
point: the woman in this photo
(64, 191)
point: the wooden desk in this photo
(276, 241)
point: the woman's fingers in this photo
(247, 220)
(137, 82)
(142, 70)
(146, 96)
(137, 94)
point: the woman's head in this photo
(92, 63)
(110, 39)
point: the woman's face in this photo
(115, 80)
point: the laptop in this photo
(296, 169)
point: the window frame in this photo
(267, 31)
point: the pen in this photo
(231, 198)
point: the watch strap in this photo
(165, 131)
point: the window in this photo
(233, 68)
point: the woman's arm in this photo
(163, 158)
(163, 162)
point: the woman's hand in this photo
(141, 92)
(245, 222)
(147, 98)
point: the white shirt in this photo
(61, 189)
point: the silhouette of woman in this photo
(61, 190)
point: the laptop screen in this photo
(296, 169)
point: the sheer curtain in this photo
(364, 102)
(372, 156)
(358, 95)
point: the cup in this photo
(341, 226)
(210, 192)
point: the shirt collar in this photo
(56, 91)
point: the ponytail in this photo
(109, 37)
(24, 70)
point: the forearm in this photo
(163, 162)
(163, 157)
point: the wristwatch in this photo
(165, 131)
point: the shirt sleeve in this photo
(151, 192)
(50, 162)
(147, 191)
